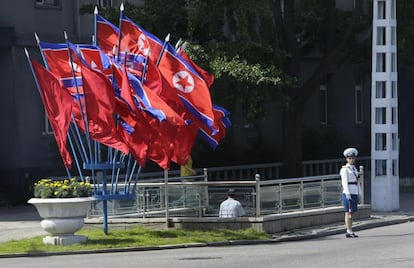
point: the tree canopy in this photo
(255, 50)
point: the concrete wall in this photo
(270, 224)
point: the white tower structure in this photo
(384, 108)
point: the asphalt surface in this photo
(23, 221)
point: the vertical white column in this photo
(384, 108)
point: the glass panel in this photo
(290, 197)
(394, 115)
(381, 10)
(393, 89)
(393, 35)
(269, 199)
(380, 115)
(380, 62)
(381, 39)
(333, 193)
(312, 194)
(380, 87)
(393, 62)
(395, 167)
(380, 141)
(380, 167)
(394, 139)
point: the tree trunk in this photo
(292, 139)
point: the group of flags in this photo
(129, 91)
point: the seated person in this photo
(231, 208)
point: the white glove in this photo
(348, 196)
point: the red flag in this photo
(59, 63)
(221, 120)
(135, 131)
(106, 34)
(207, 77)
(183, 143)
(184, 83)
(58, 105)
(100, 107)
(94, 58)
(162, 143)
(148, 99)
(139, 41)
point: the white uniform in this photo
(349, 178)
(231, 209)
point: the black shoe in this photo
(348, 235)
(354, 235)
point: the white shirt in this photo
(349, 174)
(231, 209)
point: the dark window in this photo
(48, 3)
(324, 104)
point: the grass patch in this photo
(135, 237)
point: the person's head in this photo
(350, 155)
(231, 193)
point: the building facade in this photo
(336, 117)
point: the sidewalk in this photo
(18, 222)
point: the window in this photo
(380, 141)
(380, 115)
(393, 9)
(395, 167)
(380, 62)
(393, 62)
(394, 115)
(48, 3)
(104, 3)
(393, 89)
(380, 89)
(381, 37)
(358, 104)
(394, 140)
(47, 129)
(324, 104)
(380, 167)
(381, 10)
(393, 36)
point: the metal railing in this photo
(198, 197)
(267, 171)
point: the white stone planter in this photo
(62, 217)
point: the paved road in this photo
(389, 246)
(17, 222)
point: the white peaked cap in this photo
(350, 152)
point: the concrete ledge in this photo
(273, 223)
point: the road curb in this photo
(293, 236)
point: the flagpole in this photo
(73, 120)
(167, 39)
(95, 30)
(83, 114)
(41, 51)
(94, 42)
(121, 14)
(144, 70)
(178, 43)
(39, 89)
(136, 179)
